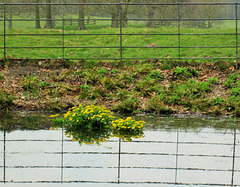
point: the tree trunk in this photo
(10, 25)
(115, 18)
(151, 23)
(49, 23)
(81, 15)
(37, 16)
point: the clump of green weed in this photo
(186, 92)
(236, 90)
(129, 101)
(155, 75)
(64, 74)
(156, 105)
(31, 84)
(102, 71)
(214, 80)
(144, 68)
(146, 87)
(91, 77)
(1, 76)
(231, 80)
(184, 73)
(109, 83)
(223, 65)
(89, 92)
(6, 99)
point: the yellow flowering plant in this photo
(94, 124)
(87, 117)
(127, 128)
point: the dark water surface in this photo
(176, 150)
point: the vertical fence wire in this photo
(121, 55)
(63, 39)
(179, 33)
(62, 161)
(4, 31)
(4, 157)
(233, 160)
(236, 16)
(119, 160)
(177, 149)
(121, 34)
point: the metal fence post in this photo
(120, 7)
(4, 32)
(236, 16)
(63, 39)
(179, 33)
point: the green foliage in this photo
(214, 80)
(1, 76)
(155, 104)
(95, 124)
(236, 91)
(155, 75)
(184, 72)
(91, 77)
(44, 84)
(31, 84)
(218, 101)
(129, 101)
(114, 72)
(6, 99)
(182, 93)
(146, 87)
(144, 68)
(102, 71)
(109, 83)
(231, 80)
(89, 92)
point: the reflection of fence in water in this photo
(176, 157)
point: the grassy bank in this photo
(161, 87)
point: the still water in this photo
(176, 150)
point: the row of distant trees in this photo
(150, 12)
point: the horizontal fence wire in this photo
(179, 165)
(121, 46)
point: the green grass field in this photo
(109, 44)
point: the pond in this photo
(175, 150)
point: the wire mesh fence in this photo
(120, 31)
(176, 157)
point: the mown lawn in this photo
(137, 43)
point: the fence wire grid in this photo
(57, 158)
(120, 48)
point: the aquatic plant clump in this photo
(127, 128)
(88, 117)
(93, 123)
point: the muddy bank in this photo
(161, 87)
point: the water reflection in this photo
(174, 156)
